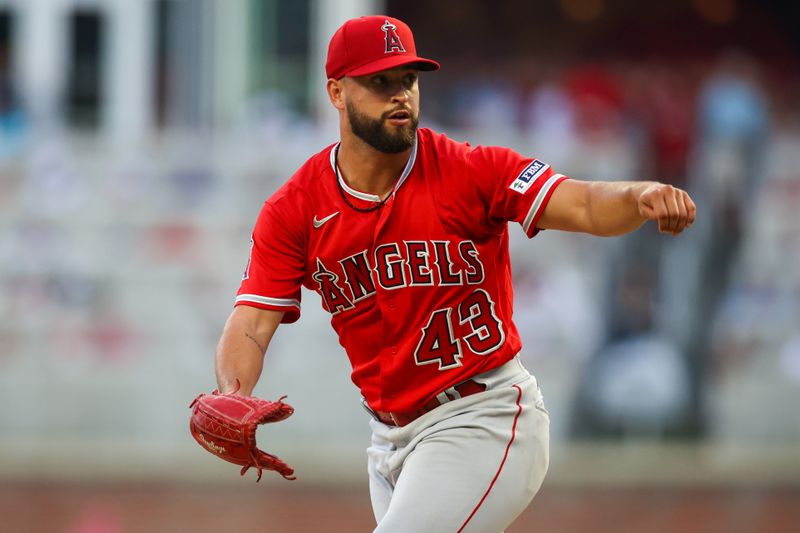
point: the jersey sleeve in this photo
(275, 269)
(515, 188)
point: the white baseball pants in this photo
(470, 465)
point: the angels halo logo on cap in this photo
(393, 41)
(366, 45)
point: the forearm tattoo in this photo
(262, 348)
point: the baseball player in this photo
(403, 233)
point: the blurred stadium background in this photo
(138, 139)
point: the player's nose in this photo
(400, 99)
(400, 93)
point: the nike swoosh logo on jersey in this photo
(319, 222)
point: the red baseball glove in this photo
(225, 425)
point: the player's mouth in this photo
(400, 117)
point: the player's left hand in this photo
(671, 207)
(225, 425)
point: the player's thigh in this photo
(479, 476)
(380, 491)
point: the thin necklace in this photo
(339, 180)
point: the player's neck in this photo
(368, 170)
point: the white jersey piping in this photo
(374, 197)
(537, 202)
(278, 302)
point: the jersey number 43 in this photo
(438, 343)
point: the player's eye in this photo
(379, 80)
(410, 80)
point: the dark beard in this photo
(374, 133)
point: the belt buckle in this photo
(369, 409)
(374, 414)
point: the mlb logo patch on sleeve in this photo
(528, 176)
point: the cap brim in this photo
(420, 63)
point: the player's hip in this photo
(509, 391)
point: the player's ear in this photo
(336, 93)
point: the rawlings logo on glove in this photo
(225, 425)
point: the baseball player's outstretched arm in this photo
(614, 208)
(241, 349)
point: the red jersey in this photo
(419, 289)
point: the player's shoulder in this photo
(444, 147)
(441, 145)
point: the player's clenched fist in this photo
(671, 207)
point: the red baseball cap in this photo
(367, 45)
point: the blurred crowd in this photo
(664, 108)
